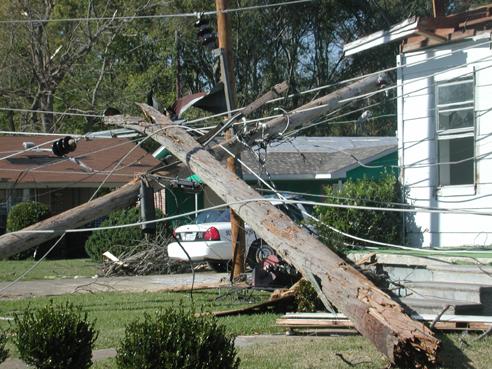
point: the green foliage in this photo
(175, 339)
(119, 240)
(382, 226)
(4, 353)
(307, 299)
(55, 337)
(23, 215)
(116, 63)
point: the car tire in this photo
(220, 266)
(258, 251)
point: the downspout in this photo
(401, 150)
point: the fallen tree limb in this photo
(404, 341)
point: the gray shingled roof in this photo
(320, 157)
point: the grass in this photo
(48, 269)
(112, 311)
(330, 353)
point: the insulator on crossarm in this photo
(63, 146)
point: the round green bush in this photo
(55, 337)
(23, 215)
(118, 240)
(176, 339)
(4, 353)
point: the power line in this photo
(312, 203)
(154, 16)
(52, 112)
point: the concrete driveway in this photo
(153, 283)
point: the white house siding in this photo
(417, 144)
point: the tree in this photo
(47, 51)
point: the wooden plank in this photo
(405, 342)
(422, 317)
(346, 324)
(314, 323)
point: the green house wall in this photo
(390, 163)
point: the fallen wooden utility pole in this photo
(13, 243)
(302, 115)
(375, 315)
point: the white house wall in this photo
(417, 144)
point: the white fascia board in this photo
(395, 33)
(322, 176)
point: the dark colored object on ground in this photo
(175, 339)
(55, 337)
(63, 146)
(274, 272)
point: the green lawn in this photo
(112, 311)
(313, 353)
(47, 269)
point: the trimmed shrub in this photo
(119, 240)
(175, 339)
(4, 353)
(382, 226)
(55, 337)
(23, 215)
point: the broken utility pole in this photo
(302, 115)
(13, 243)
(405, 342)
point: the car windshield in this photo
(213, 216)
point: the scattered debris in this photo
(330, 321)
(148, 257)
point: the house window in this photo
(455, 114)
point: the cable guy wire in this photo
(155, 16)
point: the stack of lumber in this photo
(339, 323)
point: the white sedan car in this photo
(209, 238)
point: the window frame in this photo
(456, 133)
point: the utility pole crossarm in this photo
(304, 114)
(375, 315)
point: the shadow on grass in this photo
(451, 356)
